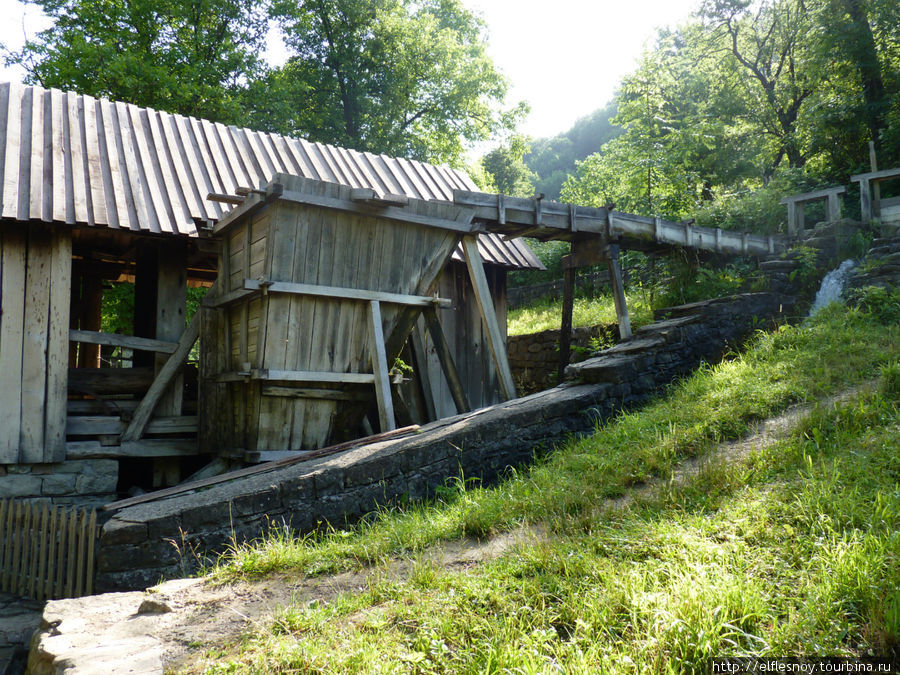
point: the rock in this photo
(153, 606)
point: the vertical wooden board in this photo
(345, 265)
(62, 179)
(34, 346)
(39, 144)
(365, 254)
(10, 187)
(275, 412)
(98, 174)
(58, 346)
(12, 316)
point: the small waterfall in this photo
(832, 286)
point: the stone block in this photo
(92, 484)
(257, 502)
(58, 484)
(20, 485)
(117, 532)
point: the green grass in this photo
(545, 313)
(792, 551)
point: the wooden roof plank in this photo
(11, 150)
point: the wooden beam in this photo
(489, 317)
(112, 425)
(344, 293)
(171, 297)
(463, 222)
(163, 379)
(380, 369)
(565, 330)
(144, 448)
(125, 341)
(262, 468)
(445, 358)
(91, 309)
(307, 392)
(618, 288)
(311, 376)
(97, 381)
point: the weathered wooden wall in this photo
(35, 285)
(292, 333)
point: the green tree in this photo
(192, 57)
(510, 174)
(409, 78)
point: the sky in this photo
(564, 57)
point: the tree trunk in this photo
(864, 53)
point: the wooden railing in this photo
(46, 551)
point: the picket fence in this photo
(46, 552)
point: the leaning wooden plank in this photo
(12, 317)
(125, 341)
(58, 347)
(618, 288)
(344, 293)
(165, 376)
(262, 468)
(380, 368)
(489, 317)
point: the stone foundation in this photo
(534, 358)
(88, 482)
(143, 543)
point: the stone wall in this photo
(534, 358)
(143, 543)
(87, 482)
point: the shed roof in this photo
(75, 159)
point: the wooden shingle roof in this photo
(72, 159)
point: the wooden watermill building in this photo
(97, 195)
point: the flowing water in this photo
(832, 286)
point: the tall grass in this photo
(793, 550)
(545, 314)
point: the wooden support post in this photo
(618, 289)
(873, 167)
(171, 297)
(445, 358)
(865, 200)
(834, 207)
(792, 219)
(91, 310)
(163, 379)
(488, 316)
(565, 330)
(380, 368)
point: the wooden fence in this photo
(46, 551)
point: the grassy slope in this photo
(792, 551)
(544, 314)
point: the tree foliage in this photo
(407, 78)
(507, 169)
(187, 56)
(410, 78)
(747, 92)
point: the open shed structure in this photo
(94, 192)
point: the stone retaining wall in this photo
(87, 482)
(534, 358)
(141, 544)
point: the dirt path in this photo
(169, 626)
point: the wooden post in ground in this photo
(488, 316)
(565, 330)
(618, 288)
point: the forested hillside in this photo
(745, 102)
